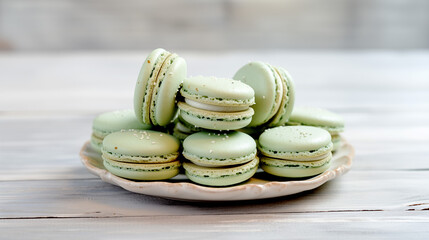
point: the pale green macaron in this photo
(274, 92)
(216, 103)
(141, 154)
(157, 85)
(295, 151)
(109, 122)
(318, 117)
(220, 159)
(211, 149)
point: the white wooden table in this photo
(48, 101)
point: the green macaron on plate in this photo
(260, 186)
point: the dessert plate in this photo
(260, 186)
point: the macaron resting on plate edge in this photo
(260, 186)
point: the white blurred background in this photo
(212, 25)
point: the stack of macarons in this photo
(225, 127)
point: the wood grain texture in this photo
(372, 225)
(47, 103)
(356, 191)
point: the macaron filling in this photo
(140, 159)
(142, 167)
(222, 176)
(278, 94)
(288, 99)
(217, 118)
(309, 155)
(213, 161)
(147, 172)
(153, 81)
(294, 169)
(215, 108)
(157, 84)
(315, 163)
(216, 100)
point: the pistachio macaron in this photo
(319, 117)
(157, 85)
(274, 92)
(141, 155)
(216, 103)
(220, 159)
(212, 149)
(109, 122)
(295, 151)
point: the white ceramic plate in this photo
(259, 186)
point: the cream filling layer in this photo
(215, 108)
(316, 158)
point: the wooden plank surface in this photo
(47, 103)
(371, 225)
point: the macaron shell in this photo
(219, 149)
(148, 72)
(140, 158)
(267, 86)
(319, 117)
(170, 78)
(140, 143)
(217, 91)
(223, 176)
(109, 122)
(148, 172)
(215, 120)
(294, 169)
